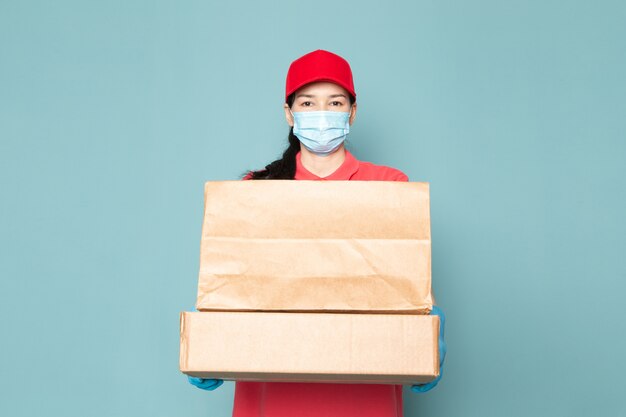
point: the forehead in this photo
(322, 89)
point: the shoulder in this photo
(373, 172)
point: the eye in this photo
(306, 104)
(336, 103)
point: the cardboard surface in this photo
(331, 246)
(310, 347)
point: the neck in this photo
(322, 166)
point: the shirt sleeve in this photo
(401, 176)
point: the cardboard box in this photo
(327, 246)
(310, 347)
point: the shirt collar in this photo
(345, 171)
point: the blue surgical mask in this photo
(321, 132)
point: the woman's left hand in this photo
(419, 388)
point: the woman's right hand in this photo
(205, 384)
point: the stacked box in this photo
(314, 281)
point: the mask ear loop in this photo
(350, 111)
(293, 118)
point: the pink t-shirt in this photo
(282, 399)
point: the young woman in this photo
(320, 105)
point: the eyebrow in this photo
(312, 95)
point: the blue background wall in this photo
(113, 114)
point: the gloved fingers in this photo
(205, 384)
(194, 381)
(443, 349)
(212, 384)
(421, 388)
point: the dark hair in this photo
(285, 167)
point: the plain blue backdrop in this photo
(113, 114)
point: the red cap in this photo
(319, 65)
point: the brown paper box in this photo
(310, 347)
(328, 246)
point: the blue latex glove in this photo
(202, 383)
(206, 384)
(436, 311)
